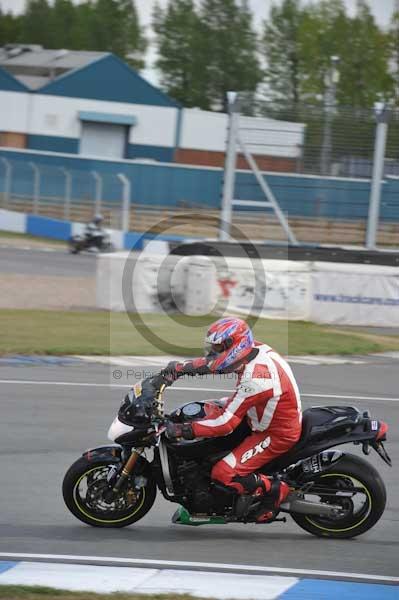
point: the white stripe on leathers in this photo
(249, 387)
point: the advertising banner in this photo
(268, 288)
(355, 295)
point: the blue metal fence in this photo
(184, 186)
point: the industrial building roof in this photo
(35, 66)
(76, 73)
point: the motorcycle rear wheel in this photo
(351, 470)
(83, 488)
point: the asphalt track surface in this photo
(49, 262)
(44, 427)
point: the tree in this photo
(134, 41)
(182, 57)
(36, 26)
(324, 33)
(112, 26)
(64, 23)
(300, 41)
(394, 51)
(102, 25)
(10, 27)
(84, 32)
(205, 53)
(283, 53)
(365, 70)
(231, 44)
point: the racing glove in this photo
(175, 369)
(171, 372)
(175, 431)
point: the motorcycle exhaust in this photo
(311, 508)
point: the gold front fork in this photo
(127, 469)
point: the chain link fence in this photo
(319, 162)
(316, 161)
(62, 193)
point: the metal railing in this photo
(317, 209)
(336, 163)
(68, 194)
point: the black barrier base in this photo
(281, 252)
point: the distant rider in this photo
(94, 232)
(266, 395)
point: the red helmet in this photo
(227, 342)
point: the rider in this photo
(266, 394)
(94, 232)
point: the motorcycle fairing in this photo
(111, 452)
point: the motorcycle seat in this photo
(322, 420)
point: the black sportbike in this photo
(100, 242)
(333, 494)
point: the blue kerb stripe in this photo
(46, 227)
(6, 566)
(133, 241)
(317, 589)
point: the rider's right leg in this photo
(238, 469)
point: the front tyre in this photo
(361, 510)
(73, 246)
(86, 493)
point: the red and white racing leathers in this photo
(268, 396)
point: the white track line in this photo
(183, 565)
(187, 389)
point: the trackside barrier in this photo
(333, 293)
(35, 225)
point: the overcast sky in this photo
(382, 10)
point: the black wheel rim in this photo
(88, 496)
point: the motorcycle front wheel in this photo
(85, 491)
(361, 509)
(73, 246)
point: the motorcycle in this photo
(332, 493)
(100, 242)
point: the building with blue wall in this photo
(89, 103)
(94, 104)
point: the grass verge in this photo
(102, 333)
(25, 237)
(15, 592)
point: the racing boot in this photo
(273, 493)
(257, 487)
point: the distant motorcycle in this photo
(332, 494)
(97, 242)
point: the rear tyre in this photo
(362, 511)
(84, 490)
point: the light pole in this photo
(229, 167)
(331, 81)
(382, 117)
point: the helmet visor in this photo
(213, 348)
